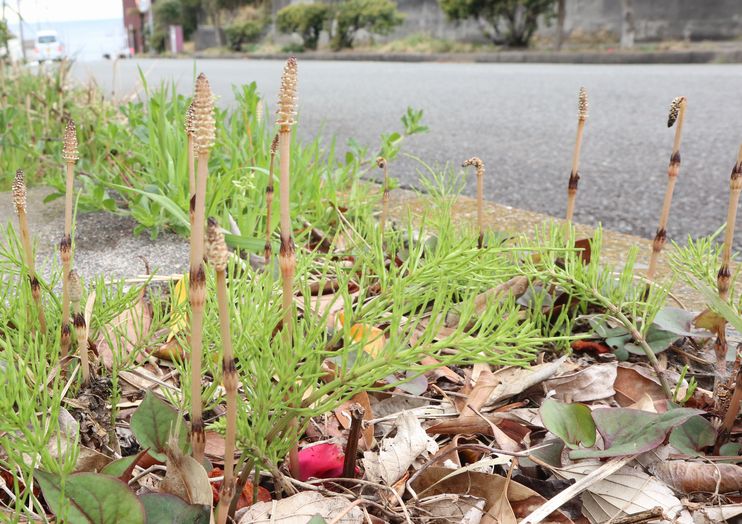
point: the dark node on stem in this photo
(675, 159)
(79, 321)
(267, 248)
(66, 331)
(724, 272)
(65, 244)
(574, 180)
(661, 236)
(198, 277)
(287, 247)
(192, 205)
(480, 241)
(35, 285)
(228, 367)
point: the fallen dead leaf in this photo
(591, 383)
(514, 380)
(464, 509)
(398, 453)
(689, 477)
(634, 382)
(125, 332)
(299, 508)
(185, 478)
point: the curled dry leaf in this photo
(186, 478)
(514, 380)
(689, 477)
(125, 332)
(400, 452)
(591, 383)
(633, 383)
(299, 508)
(450, 508)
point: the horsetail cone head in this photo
(216, 248)
(287, 94)
(189, 120)
(674, 110)
(75, 287)
(477, 163)
(204, 125)
(69, 151)
(274, 144)
(381, 162)
(582, 105)
(19, 192)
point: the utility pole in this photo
(20, 26)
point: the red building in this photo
(137, 23)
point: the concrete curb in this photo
(511, 57)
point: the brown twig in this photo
(19, 200)
(574, 175)
(677, 114)
(287, 256)
(218, 255)
(381, 163)
(637, 518)
(269, 201)
(70, 155)
(204, 131)
(479, 166)
(351, 448)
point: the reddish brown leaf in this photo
(590, 345)
(246, 497)
(689, 477)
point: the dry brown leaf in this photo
(688, 477)
(343, 415)
(633, 382)
(476, 425)
(400, 452)
(125, 332)
(214, 446)
(624, 492)
(186, 478)
(716, 514)
(521, 500)
(440, 509)
(512, 381)
(591, 383)
(442, 371)
(299, 508)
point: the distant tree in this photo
(376, 16)
(561, 15)
(5, 35)
(306, 19)
(512, 22)
(165, 13)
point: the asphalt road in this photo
(521, 120)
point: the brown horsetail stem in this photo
(189, 129)
(218, 255)
(19, 200)
(287, 256)
(70, 155)
(479, 166)
(723, 281)
(574, 175)
(78, 321)
(381, 163)
(203, 139)
(269, 200)
(677, 113)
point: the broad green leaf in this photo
(123, 467)
(630, 431)
(152, 423)
(90, 498)
(721, 306)
(253, 244)
(317, 519)
(164, 508)
(570, 422)
(693, 435)
(175, 211)
(658, 339)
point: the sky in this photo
(63, 10)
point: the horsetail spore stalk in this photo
(269, 200)
(479, 166)
(574, 175)
(287, 256)
(724, 277)
(79, 324)
(676, 115)
(189, 129)
(70, 155)
(19, 200)
(203, 140)
(381, 163)
(218, 255)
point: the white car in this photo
(48, 46)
